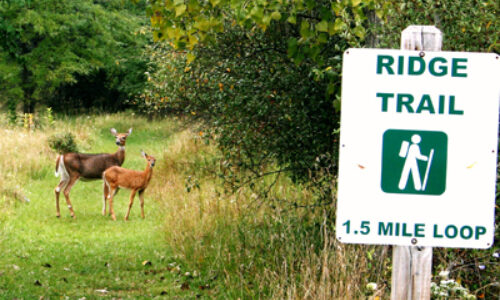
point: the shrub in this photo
(63, 143)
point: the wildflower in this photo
(443, 294)
(371, 286)
(447, 283)
(444, 274)
(482, 267)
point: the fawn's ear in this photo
(143, 154)
(113, 132)
(129, 131)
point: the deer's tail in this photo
(61, 169)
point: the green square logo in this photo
(414, 162)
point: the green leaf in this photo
(305, 32)
(292, 19)
(337, 26)
(190, 57)
(330, 89)
(336, 104)
(322, 26)
(214, 2)
(355, 2)
(203, 25)
(276, 15)
(292, 47)
(179, 10)
(359, 31)
(257, 14)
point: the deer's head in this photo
(121, 137)
(151, 160)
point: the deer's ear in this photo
(129, 131)
(143, 154)
(113, 132)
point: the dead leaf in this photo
(185, 286)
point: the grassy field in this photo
(203, 243)
(91, 256)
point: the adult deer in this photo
(73, 166)
(137, 181)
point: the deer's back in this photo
(126, 178)
(90, 166)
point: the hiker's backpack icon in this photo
(414, 162)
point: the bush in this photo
(63, 143)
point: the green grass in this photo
(90, 256)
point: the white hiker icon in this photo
(412, 155)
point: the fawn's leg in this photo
(132, 195)
(105, 197)
(141, 198)
(112, 192)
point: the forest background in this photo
(259, 81)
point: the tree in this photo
(48, 44)
(264, 77)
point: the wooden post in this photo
(412, 265)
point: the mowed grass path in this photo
(91, 256)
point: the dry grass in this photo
(242, 247)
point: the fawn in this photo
(137, 181)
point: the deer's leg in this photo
(72, 181)
(105, 197)
(111, 194)
(141, 198)
(132, 195)
(57, 190)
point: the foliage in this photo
(466, 25)
(63, 143)
(264, 76)
(47, 46)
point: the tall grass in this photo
(245, 248)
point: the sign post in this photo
(417, 161)
(412, 266)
